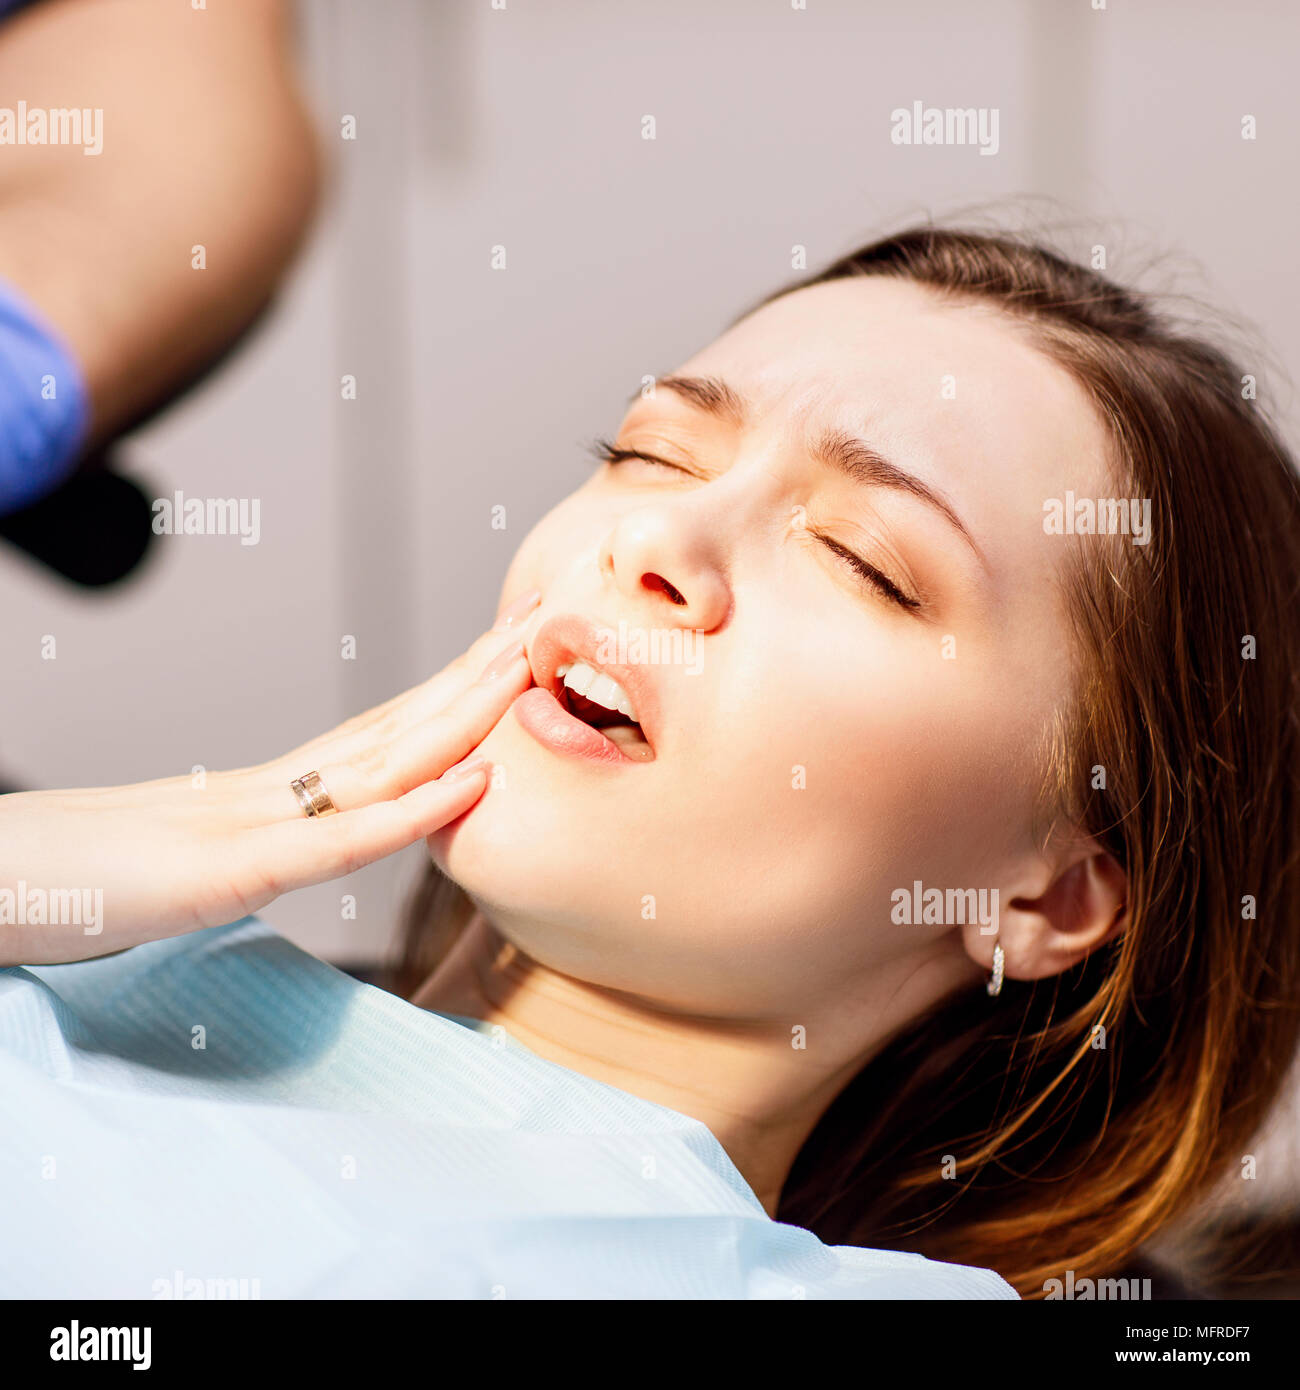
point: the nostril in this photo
(657, 582)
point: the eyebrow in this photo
(853, 457)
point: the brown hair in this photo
(1061, 1127)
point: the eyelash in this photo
(605, 451)
(869, 573)
(608, 452)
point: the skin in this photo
(182, 853)
(818, 753)
(206, 140)
(772, 903)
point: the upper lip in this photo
(562, 640)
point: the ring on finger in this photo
(312, 796)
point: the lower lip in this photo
(543, 716)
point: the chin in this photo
(515, 850)
(539, 820)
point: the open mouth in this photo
(601, 703)
(584, 706)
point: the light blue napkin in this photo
(223, 1115)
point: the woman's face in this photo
(844, 668)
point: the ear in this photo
(1081, 904)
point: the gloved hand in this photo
(44, 408)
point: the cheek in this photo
(564, 536)
(842, 788)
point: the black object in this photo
(93, 530)
(97, 527)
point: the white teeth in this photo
(597, 686)
(605, 692)
(579, 677)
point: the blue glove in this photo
(44, 407)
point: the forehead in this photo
(957, 388)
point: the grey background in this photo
(522, 127)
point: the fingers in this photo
(380, 771)
(514, 612)
(511, 625)
(412, 707)
(295, 853)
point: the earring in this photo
(994, 985)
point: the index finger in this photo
(395, 717)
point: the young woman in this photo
(896, 772)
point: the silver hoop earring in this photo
(994, 985)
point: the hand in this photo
(116, 866)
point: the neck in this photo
(760, 1086)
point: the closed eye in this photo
(868, 573)
(605, 451)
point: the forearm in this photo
(205, 142)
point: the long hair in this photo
(1064, 1126)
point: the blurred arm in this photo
(206, 141)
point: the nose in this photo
(655, 555)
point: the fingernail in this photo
(464, 768)
(499, 665)
(520, 608)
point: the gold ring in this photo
(312, 796)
